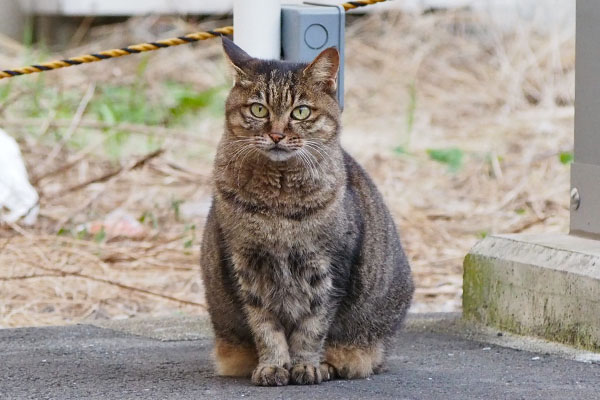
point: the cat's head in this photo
(280, 109)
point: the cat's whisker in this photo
(304, 163)
(318, 165)
(314, 164)
(316, 146)
(231, 143)
(314, 171)
(312, 149)
(238, 153)
(320, 150)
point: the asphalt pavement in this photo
(433, 358)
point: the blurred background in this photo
(461, 110)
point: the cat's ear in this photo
(324, 68)
(238, 59)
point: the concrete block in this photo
(540, 285)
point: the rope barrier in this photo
(125, 51)
(143, 47)
(360, 3)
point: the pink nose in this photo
(276, 136)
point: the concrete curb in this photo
(541, 285)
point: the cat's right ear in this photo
(238, 59)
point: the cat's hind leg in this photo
(351, 361)
(234, 359)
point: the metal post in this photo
(257, 27)
(310, 28)
(585, 171)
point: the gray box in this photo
(308, 29)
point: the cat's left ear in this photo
(323, 70)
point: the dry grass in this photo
(450, 80)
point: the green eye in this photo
(301, 112)
(258, 110)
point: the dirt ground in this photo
(466, 129)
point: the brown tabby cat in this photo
(305, 276)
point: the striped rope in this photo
(143, 47)
(125, 51)
(360, 3)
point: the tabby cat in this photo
(305, 276)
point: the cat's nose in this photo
(276, 137)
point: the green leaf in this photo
(107, 114)
(82, 234)
(100, 236)
(400, 150)
(185, 99)
(175, 205)
(453, 157)
(566, 157)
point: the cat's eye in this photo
(258, 110)
(301, 112)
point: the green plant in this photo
(453, 157)
(566, 157)
(176, 206)
(189, 242)
(182, 100)
(100, 236)
(148, 216)
(411, 109)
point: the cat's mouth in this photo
(277, 152)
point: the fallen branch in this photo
(146, 130)
(25, 277)
(109, 282)
(109, 175)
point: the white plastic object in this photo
(16, 193)
(257, 27)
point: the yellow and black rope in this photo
(143, 47)
(359, 3)
(125, 51)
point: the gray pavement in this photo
(435, 357)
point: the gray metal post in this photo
(585, 171)
(308, 29)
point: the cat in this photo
(305, 276)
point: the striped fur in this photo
(300, 257)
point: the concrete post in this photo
(257, 27)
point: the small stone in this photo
(486, 348)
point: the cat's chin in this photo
(277, 154)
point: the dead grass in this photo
(438, 81)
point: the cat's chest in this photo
(283, 234)
(289, 283)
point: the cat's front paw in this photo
(305, 374)
(270, 375)
(328, 372)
